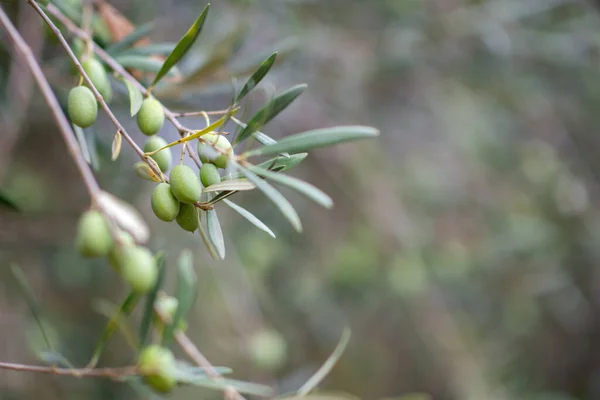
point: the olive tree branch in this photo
(112, 373)
(63, 124)
(120, 129)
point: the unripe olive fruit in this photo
(151, 116)
(115, 256)
(207, 151)
(99, 77)
(268, 349)
(167, 306)
(164, 157)
(187, 217)
(138, 268)
(185, 184)
(82, 106)
(157, 365)
(94, 238)
(209, 174)
(164, 204)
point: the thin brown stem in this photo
(86, 25)
(197, 113)
(112, 373)
(111, 116)
(63, 124)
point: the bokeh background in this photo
(464, 245)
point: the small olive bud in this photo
(115, 256)
(185, 184)
(82, 106)
(164, 204)
(138, 268)
(212, 147)
(164, 157)
(209, 175)
(94, 238)
(187, 217)
(95, 70)
(167, 306)
(157, 365)
(150, 117)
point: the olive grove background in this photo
(464, 247)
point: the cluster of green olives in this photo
(135, 264)
(175, 200)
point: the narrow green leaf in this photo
(250, 217)
(277, 198)
(139, 33)
(270, 111)
(257, 76)
(6, 201)
(215, 233)
(182, 46)
(260, 137)
(280, 164)
(221, 196)
(113, 313)
(232, 184)
(316, 138)
(206, 240)
(186, 293)
(154, 49)
(135, 98)
(142, 63)
(146, 323)
(187, 369)
(310, 191)
(223, 383)
(314, 380)
(54, 358)
(80, 135)
(126, 308)
(92, 142)
(31, 301)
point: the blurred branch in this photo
(113, 373)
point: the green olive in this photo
(138, 268)
(185, 184)
(187, 217)
(82, 106)
(164, 204)
(94, 238)
(167, 306)
(211, 149)
(209, 175)
(115, 256)
(268, 349)
(151, 116)
(164, 157)
(99, 77)
(157, 365)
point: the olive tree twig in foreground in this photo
(112, 373)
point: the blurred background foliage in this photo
(463, 247)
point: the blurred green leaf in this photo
(232, 184)
(316, 138)
(277, 198)
(223, 383)
(205, 239)
(215, 233)
(310, 191)
(139, 33)
(135, 98)
(186, 293)
(114, 313)
(249, 65)
(6, 201)
(182, 47)
(259, 136)
(280, 164)
(318, 377)
(54, 358)
(148, 315)
(257, 76)
(183, 367)
(250, 217)
(126, 308)
(270, 111)
(154, 49)
(143, 63)
(80, 135)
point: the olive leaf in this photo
(277, 198)
(250, 217)
(6, 201)
(135, 98)
(186, 293)
(116, 146)
(223, 383)
(316, 138)
(270, 111)
(139, 33)
(232, 184)
(150, 300)
(182, 47)
(215, 233)
(154, 49)
(257, 76)
(80, 135)
(144, 171)
(125, 215)
(143, 63)
(206, 240)
(310, 191)
(259, 136)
